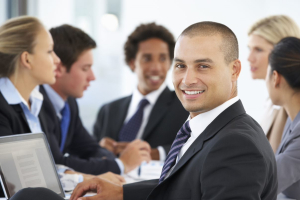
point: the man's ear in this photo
(60, 70)
(132, 65)
(25, 60)
(236, 70)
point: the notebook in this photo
(26, 161)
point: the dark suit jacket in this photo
(85, 155)
(13, 121)
(231, 159)
(165, 120)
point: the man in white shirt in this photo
(149, 51)
(220, 152)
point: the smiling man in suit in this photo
(152, 113)
(220, 152)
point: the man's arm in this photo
(236, 169)
(107, 191)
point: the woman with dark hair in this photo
(263, 35)
(283, 83)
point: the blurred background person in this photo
(153, 112)
(263, 35)
(283, 83)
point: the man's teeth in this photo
(155, 78)
(193, 92)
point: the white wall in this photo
(2, 11)
(114, 78)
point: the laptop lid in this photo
(26, 161)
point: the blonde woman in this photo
(263, 35)
(27, 60)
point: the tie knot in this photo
(65, 109)
(143, 103)
(185, 129)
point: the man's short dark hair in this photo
(229, 46)
(69, 43)
(144, 32)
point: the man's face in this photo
(74, 82)
(151, 64)
(201, 77)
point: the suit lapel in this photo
(49, 111)
(212, 129)
(119, 118)
(20, 112)
(159, 110)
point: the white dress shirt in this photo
(133, 107)
(199, 123)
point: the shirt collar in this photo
(56, 100)
(295, 122)
(12, 95)
(151, 97)
(199, 123)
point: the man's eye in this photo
(162, 58)
(146, 59)
(85, 69)
(180, 66)
(203, 66)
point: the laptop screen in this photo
(26, 161)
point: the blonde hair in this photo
(275, 28)
(16, 36)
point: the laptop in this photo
(26, 161)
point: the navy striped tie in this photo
(181, 138)
(131, 128)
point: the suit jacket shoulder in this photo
(288, 161)
(110, 118)
(232, 152)
(85, 155)
(12, 119)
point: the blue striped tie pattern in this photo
(131, 128)
(182, 136)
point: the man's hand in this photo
(134, 154)
(85, 176)
(154, 154)
(120, 146)
(104, 189)
(108, 144)
(114, 178)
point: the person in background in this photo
(152, 113)
(263, 35)
(27, 60)
(283, 83)
(70, 143)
